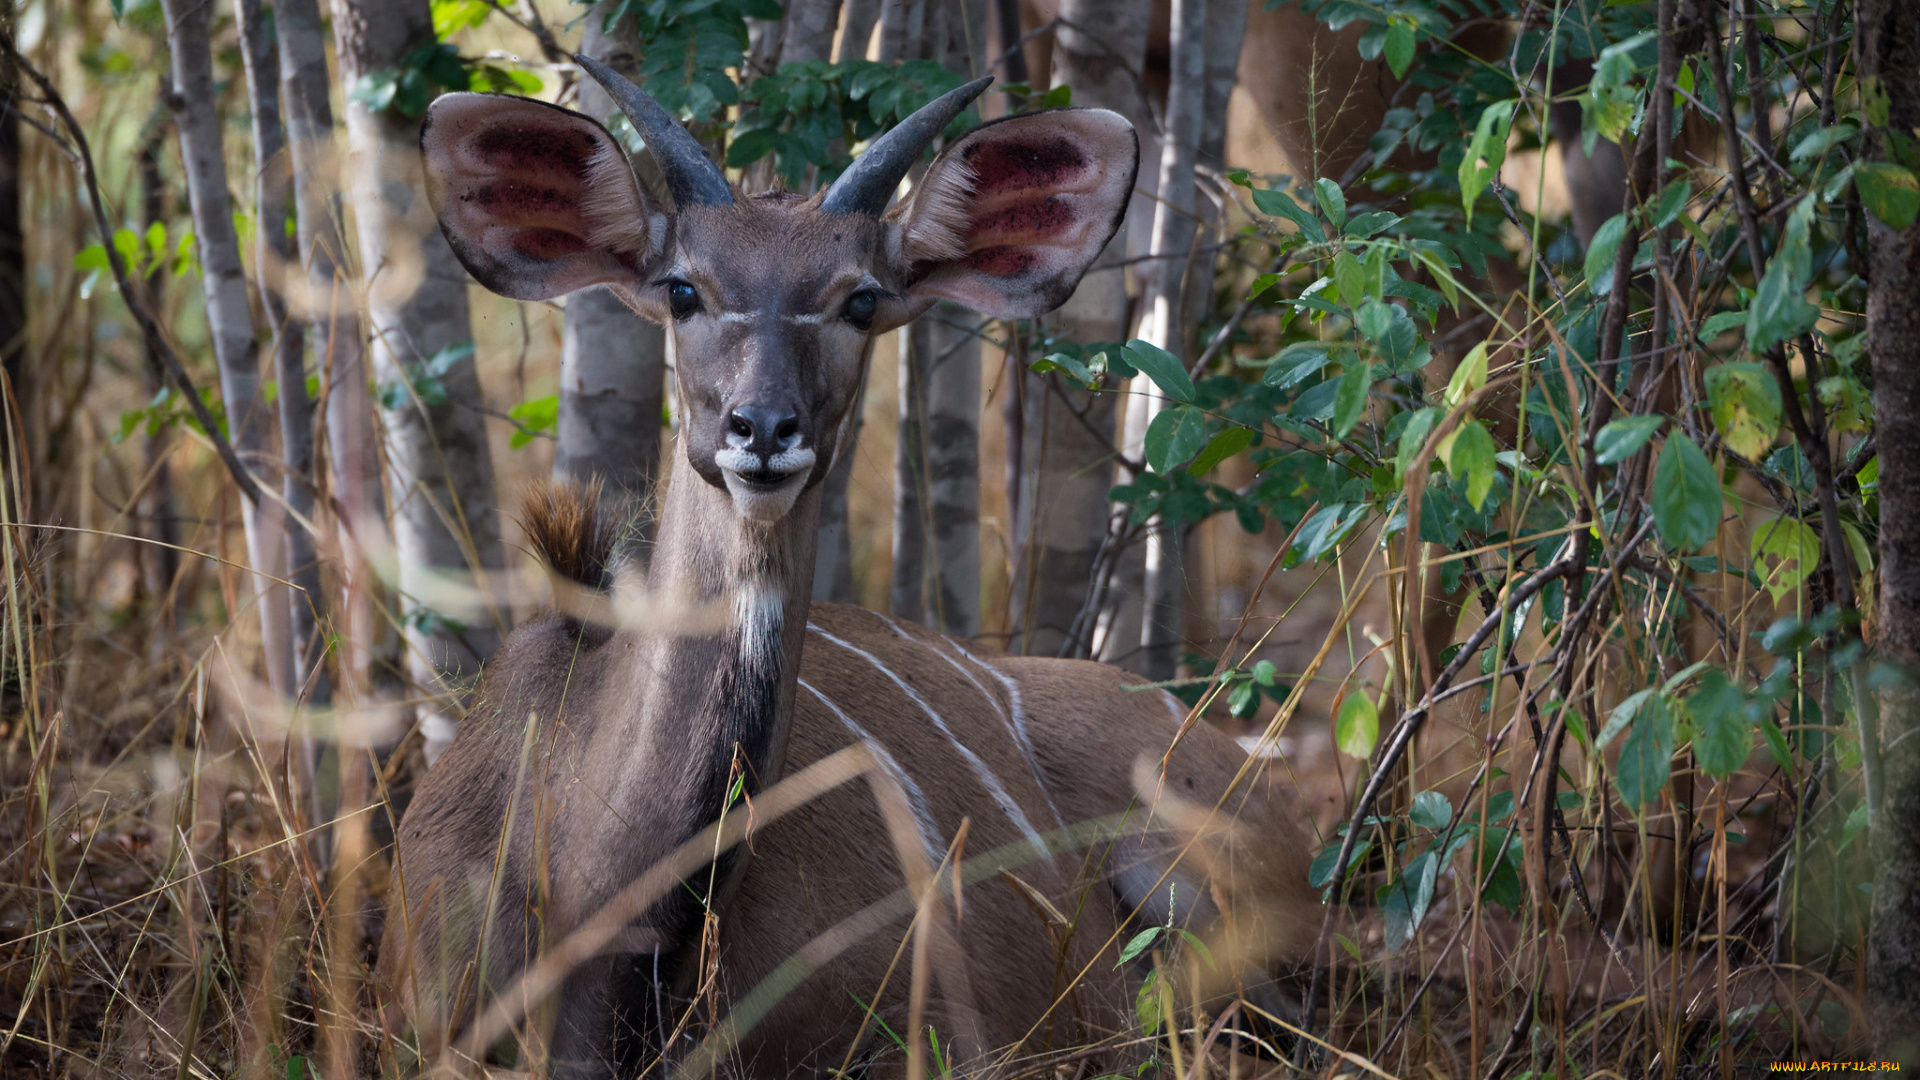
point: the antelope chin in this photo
(764, 488)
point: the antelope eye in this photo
(861, 307)
(682, 298)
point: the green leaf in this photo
(1350, 400)
(1646, 758)
(452, 16)
(1672, 202)
(1622, 717)
(1471, 454)
(1785, 551)
(1486, 152)
(1469, 376)
(1721, 323)
(1600, 253)
(92, 257)
(1431, 810)
(1070, 365)
(1746, 407)
(1889, 191)
(1413, 437)
(1820, 140)
(1361, 226)
(1332, 202)
(534, 415)
(1057, 98)
(1222, 446)
(1294, 363)
(1399, 45)
(1722, 738)
(1162, 367)
(1780, 309)
(1139, 943)
(1280, 204)
(1349, 278)
(1623, 438)
(1686, 495)
(1357, 726)
(1320, 874)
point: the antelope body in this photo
(593, 752)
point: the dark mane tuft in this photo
(569, 531)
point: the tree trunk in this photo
(13, 252)
(952, 432)
(936, 510)
(903, 30)
(856, 31)
(906, 593)
(1063, 501)
(330, 312)
(439, 477)
(277, 258)
(1889, 44)
(613, 363)
(810, 27)
(161, 562)
(1163, 318)
(229, 317)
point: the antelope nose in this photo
(762, 431)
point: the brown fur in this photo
(593, 753)
(568, 530)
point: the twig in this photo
(1225, 332)
(150, 329)
(1397, 744)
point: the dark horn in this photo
(692, 177)
(867, 185)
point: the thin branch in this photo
(150, 329)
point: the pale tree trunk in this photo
(903, 30)
(936, 519)
(810, 27)
(439, 476)
(229, 318)
(1162, 318)
(613, 363)
(1889, 51)
(278, 257)
(333, 319)
(856, 29)
(951, 420)
(1063, 498)
(952, 429)
(905, 593)
(903, 36)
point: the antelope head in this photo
(774, 300)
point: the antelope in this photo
(593, 751)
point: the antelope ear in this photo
(535, 200)
(1009, 217)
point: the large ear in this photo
(1009, 217)
(536, 200)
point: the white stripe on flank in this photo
(985, 775)
(1016, 721)
(916, 798)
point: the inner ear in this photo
(1010, 216)
(536, 201)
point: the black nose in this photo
(761, 430)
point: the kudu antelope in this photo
(593, 751)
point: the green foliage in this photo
(1686, 495)
(423, 379)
